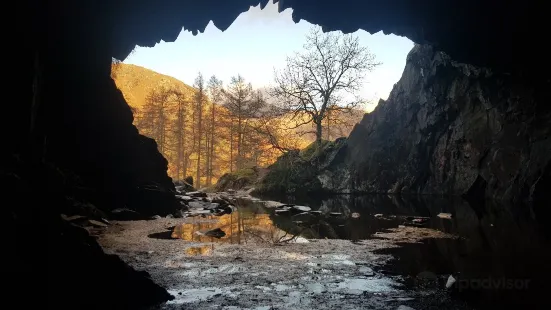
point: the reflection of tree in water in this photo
(251, 222)
(200, 251)
(245, 225)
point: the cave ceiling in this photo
(490, 33)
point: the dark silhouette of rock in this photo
(161, 235)
(196, 194)
(178, 214)
(448, 126)
(106, 282)
(183, 186)
(216, 233)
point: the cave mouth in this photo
(163, 82)
(58, 160)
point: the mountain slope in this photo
(137, 82)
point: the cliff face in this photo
(451, 128)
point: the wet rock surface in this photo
(332, 258)
(259, 274)
(198, 203)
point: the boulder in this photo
(223, 210)
(199, 204)
(216, 233)
(238, 180)
(179, 214)
(196, 194)
(221, 201)
(125, 214)
(184, 197)
(301, 208)
(182, 187)
(95, 223)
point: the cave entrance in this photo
(210, 100)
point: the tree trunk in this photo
(319, 131)
(239, 142)
(178, 156)
(207, 157)
(211, 151)
(231, 145)
(199, 136)
(185, 165)
(183, 147)
(179, 148)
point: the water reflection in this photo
(360, 217)
(498, 244)
(501, 258)
(248, 224)
(200, 250)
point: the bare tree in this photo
(181, 102)
(327, 76)
(241, 103)
(270, 125)
(154, 121)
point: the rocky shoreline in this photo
(257, 274)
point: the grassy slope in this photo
(137, 82)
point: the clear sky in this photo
(257, 42)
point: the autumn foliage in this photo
(209, 129)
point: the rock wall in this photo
(67, 135)
(452, 128)
(77, 119)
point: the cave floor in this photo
(256, 273)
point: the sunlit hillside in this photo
(136, 83)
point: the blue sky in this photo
(257, 42)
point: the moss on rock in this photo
(239, 179)
(297, 171)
